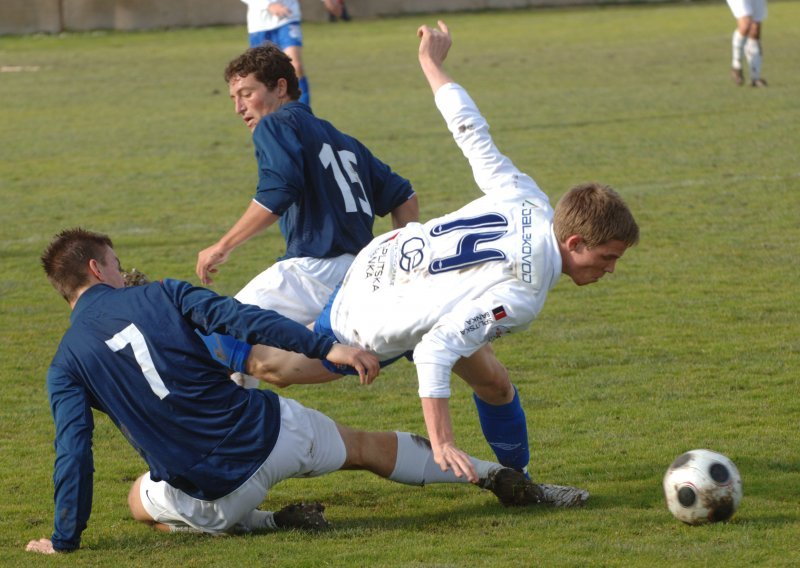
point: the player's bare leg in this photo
(486, 375)
(138, 511)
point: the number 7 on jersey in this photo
(133, 337)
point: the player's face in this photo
(587, 265)
(110, 271)
(253, 100)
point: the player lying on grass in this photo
(447, 288)
(214, 449)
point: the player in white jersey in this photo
(746, 41)
(447, 288)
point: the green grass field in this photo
(693, 342)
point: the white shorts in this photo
(308, 445)
(756, 9)
(297, 288)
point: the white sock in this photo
(738, 49)
(184, 529)
(752, 51)
(415, 464)
(255, 520)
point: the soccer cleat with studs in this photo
(737, 76)
(304, 516)
(513, 489)
(563, 495)
(758, 83)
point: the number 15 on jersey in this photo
(347, 162)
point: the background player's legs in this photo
(296, 53)
(746, 41)
(752, 52)
(737, 47)
(499, 409)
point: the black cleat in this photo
(512, 488)
(305, 516)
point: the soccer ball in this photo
(702, 486)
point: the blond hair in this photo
(597, 213)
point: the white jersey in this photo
(447, 287)
(259, 18)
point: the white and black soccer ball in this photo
(702, 486)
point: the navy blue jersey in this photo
(133, 354)
(326, 186)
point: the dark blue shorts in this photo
(288, 35)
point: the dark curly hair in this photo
(269, 64)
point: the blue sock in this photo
(305, 97)
(226, 350)
(505, 429)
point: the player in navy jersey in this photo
(214, 449)
(323, 186)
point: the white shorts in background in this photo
(308, 445)
(297, 288)
(756, 9)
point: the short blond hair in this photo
(597, 213)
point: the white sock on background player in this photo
(752, 52)
(737, 45)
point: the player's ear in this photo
(94, 268)
(574, 243)
(281, 87)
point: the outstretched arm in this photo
(254, 220)
(433, 47)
